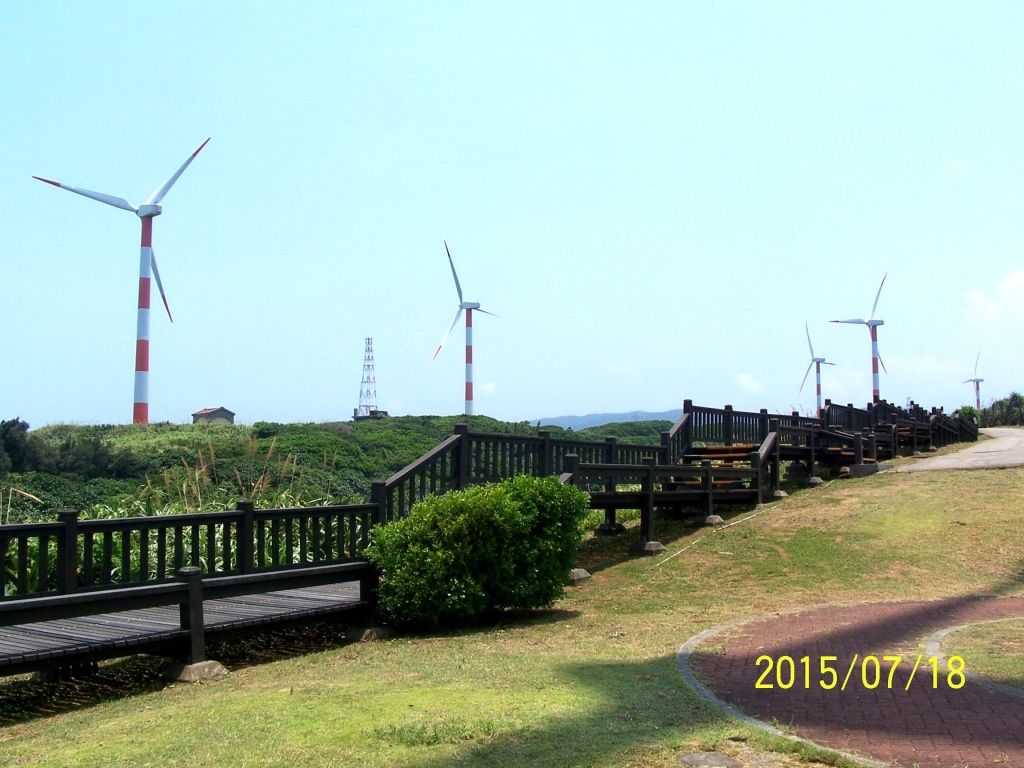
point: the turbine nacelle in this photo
(469, 305)
(148, 211)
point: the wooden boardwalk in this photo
(24, 647)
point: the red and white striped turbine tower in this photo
(816, 363)
(872, 325)
(977, 389)
(469, 306)
(147, 263)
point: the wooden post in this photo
(666, 445)
(609, 449)
(463, 431)
(709, 486)
(849, 416)
(378, 496)
(812, 443)
(755, 464)
(67, 552)
(762, 424)
(872, 445)
(545, 452)
(647, 544)
(688, 431)
(727, 426)
(858, 449)
(191, 613)
(368, 586)
(246, 530)
(773, 426)
(570, 466)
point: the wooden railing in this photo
(466, 459)
(724, 426)
(75, 555)
(79, 555)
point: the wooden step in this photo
(725, 448)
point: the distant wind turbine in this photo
(872, 325)
(816, 363)
(147, 262)
(469, 306)
(977, 389)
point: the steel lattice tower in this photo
(368, 386)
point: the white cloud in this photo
(1006, 307)
(748, 382)
(487, 387)
(959, 169)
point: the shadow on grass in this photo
(599, 553)
(641, 714)
(30, 697)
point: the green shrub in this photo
(467, 555)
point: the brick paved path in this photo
(930, 727)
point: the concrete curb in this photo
(687, 649)
(933, 647)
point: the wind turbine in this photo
(147, 262)
(469, 306)
(872, 325)
(816, 364)
(977, 389)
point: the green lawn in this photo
(590, 683)
(993, 651)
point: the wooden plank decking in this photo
(24, 647)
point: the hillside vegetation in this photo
(117, 470)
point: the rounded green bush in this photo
(469, 554)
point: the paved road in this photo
(1005, 449)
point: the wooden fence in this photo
(75, 555)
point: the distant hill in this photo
(577, 423)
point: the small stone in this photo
(780, 495)
(844, 472)
(577, 576)
(609, 529)
(917, 454)
(709, 760)
(815, 481)
(366, 634)
(193, 673)
(713, 520)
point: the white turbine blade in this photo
(854, 321)
(825, 363)
(117, 202)
(157, 196)
(976, 364)
(875, 305)
(159, 284)
(486, 312)
(882, 363)
(457, 316)
(808, 340)
(806, 375)
(452, 264)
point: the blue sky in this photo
(654, 198)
